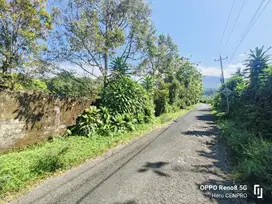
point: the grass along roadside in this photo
(251, 156)
(20, 170)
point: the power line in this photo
(255, 14)
(227, 22)
(236, 20)
(252, 22)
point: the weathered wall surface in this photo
(27, 118)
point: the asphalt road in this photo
(165, 166)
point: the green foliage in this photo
(255, 165)
(178, 87)
(28, 24)
(119, 67)
(249, 104)
(19, 169)
(66, 84)
(89, 122)
(161, 99)
(173, 90)
(98, 30)
(252, 157)
(209, 92)
(207, 99)
(124, 96)
(22, 82)
(148, 84)
(124, 103)
(50, 162)
(256, 64)
(248, 129)
(39, 85)
(94, 121)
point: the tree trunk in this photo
(105, 68)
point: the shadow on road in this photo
(127, 202)
(217, 171)
(155, 167)
(198, 133)
(205, 110)
(210, 128)
(205, 117)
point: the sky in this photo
(197, 27)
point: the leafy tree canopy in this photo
(24, 25)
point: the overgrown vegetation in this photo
(124, 102)
(19, 169)
(247, 127)
(207, 99)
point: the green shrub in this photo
(255, 166)
(122, 95)
(66, 84)
(161, 98)
(119, 123)
(173, 91)
(124, 103)
(149, 111)
(49, 162)
(148, 84)
(206, 99)
(39, 85)
(119, 67)
(251, 156)
(94, 121)
(90, 122)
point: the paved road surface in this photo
(166, 166)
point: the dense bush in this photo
(66, 84)
(22, 82)
(63, 84)
(161, 98)
(249, 133)
(124, 103)
(177, 89)
(89, 122)
(252, 157)
(206, 99)
(123, 95)
(94, 121)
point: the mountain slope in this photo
(211, 82)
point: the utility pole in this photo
(223, 79)
(221, 65)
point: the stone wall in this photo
(27, 118)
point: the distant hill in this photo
(211, 82)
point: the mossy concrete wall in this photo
(28, 118)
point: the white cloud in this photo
(242, 57)
(78, 70)
(216, 71)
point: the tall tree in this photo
(256, 64)
(92, 32)
(24, 25)
(161, 55)
(169, 54)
